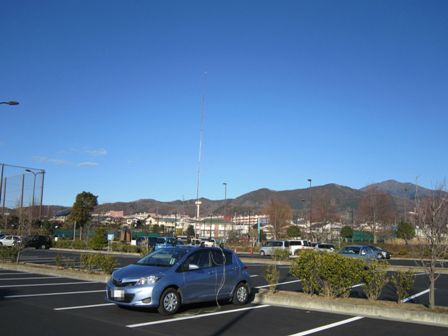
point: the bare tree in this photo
(432, 222)
(324, 208)
(377, 210)
(280, 216)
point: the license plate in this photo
(118, 294)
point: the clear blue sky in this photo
(347, 92)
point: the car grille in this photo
(119, 283)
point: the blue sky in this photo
(347, 92)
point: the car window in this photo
(200, 259)
(351, 250)
(221, 257)
(277, 244)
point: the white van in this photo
(296, 246)
(271, 245)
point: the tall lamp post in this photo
(225, 190)
(34, 190)
(311, 208)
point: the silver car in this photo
(359, 251)
(178, 275)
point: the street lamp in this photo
(34, 188)
(10, 102)
(225, 190)
(311, 208)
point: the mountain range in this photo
(342, 198)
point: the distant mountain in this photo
(400, 190)
(343, 199)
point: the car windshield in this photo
(164, 257)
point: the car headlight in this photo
(150, 280)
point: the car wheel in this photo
(262, 253)
(241, 294)
(1, 244)
(169, 302)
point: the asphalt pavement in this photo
(43, 305)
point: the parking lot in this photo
(39, 304)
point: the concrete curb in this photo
(401, 313)
(55, 271)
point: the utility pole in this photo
(311, 208)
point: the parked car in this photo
(271, 245)
(162, 242)
(382, 254)
(359, 251)
(38, 242)
(10, 240)
(172, 276)
(325, 247)
(298, 245)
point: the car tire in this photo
(169, 302)
(241, 294)
(262, 253)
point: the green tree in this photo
(293, 231)
(347, 232)
(405, 231)
(99, 240)
(82, 209)
(190, 231)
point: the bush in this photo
(375, 278)
(9, 253)
(71, 244)
(272, 274)
(403, 283)
(102, 262)
(99, 240)
(280, 254)
(328, 274)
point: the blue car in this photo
(172, 276)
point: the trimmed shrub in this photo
(375, 278)
(403, 283)
(328, 274)
(102, 262)
(9, 253)
(272, 274)
(280, 254)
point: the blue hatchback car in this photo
(177, 275)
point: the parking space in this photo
(69, 307)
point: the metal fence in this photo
(21, 196)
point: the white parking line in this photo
(278, 284)
(30, 278)
(254, 276)
(52, 294)
(84, 307)
(415, 295)
(329, 326)
(52, 284)
(358, 285)
(193, 317)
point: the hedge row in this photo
(102, 262)
(332, 275)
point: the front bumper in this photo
(136, 296)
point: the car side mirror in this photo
(192, 267)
